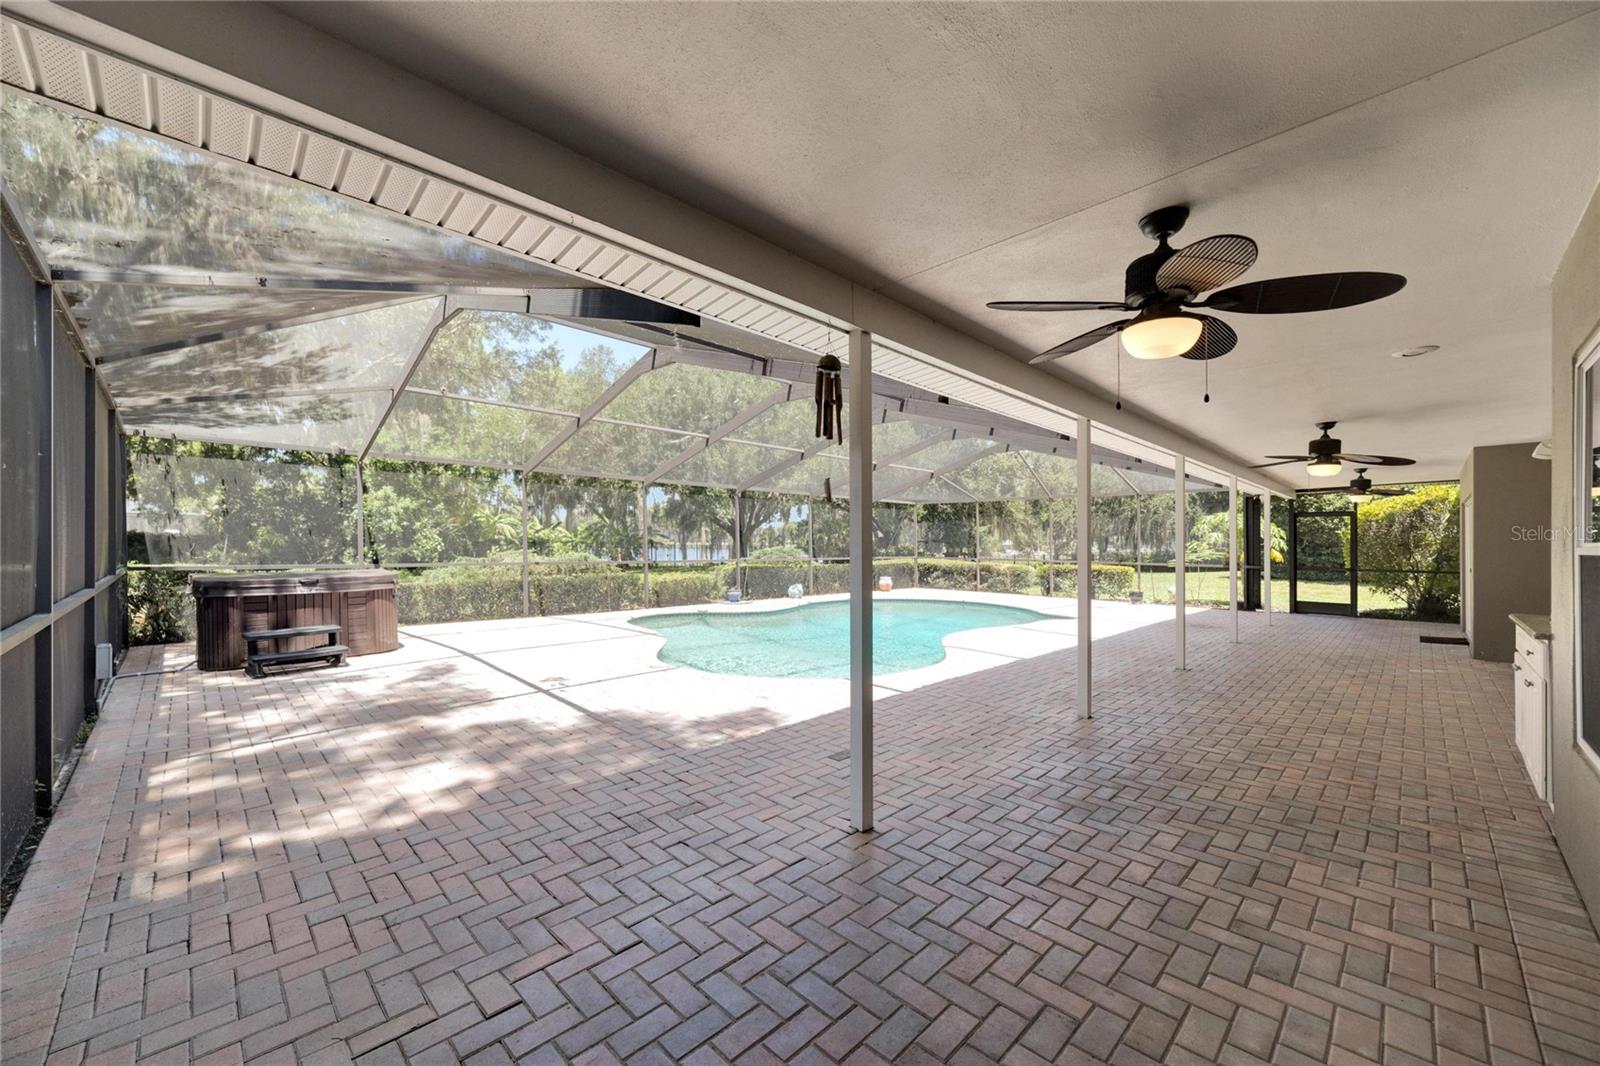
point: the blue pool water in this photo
(813, 640)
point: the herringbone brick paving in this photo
(1315, 846)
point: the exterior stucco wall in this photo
(1510, 493)
(1575, 307)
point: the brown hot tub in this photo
(229, 605)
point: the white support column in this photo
(860, 415)
(1180, 481)
(1266, 553)
(1085, 574)
(1233, 554)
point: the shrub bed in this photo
(675, 588)
(1023, 578)
(161, 607)
(587, 593)
(771, 581)
(1111, 581)
(458, 594)
(946, 574)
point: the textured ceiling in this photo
(954, 154)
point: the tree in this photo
(1208, 539)
(1410, 547)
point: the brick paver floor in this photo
(1315, 846)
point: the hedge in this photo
(451, 594)
(459, 594)
(161, 607)
(675, 589)
(1112, 581)
(946, 574)
(771, 581)
(966, 575)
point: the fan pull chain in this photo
(1208, 381)
(1119, 371)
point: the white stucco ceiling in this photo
(952, 154)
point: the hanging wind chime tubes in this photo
(830, 400)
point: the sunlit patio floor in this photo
(530, 840)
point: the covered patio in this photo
(991, 744)
(307, 384)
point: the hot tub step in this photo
(333, 654)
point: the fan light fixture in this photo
(1162, 289)
(1324, 467)
(1360, 497)
(1161, 336)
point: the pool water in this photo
(813, 640)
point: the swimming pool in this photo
(813, 640)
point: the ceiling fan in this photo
(1161, 287)
(1324, 457)
(1360, 489)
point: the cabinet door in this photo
(1530, 726)
(1538, 730)
(1519, 707)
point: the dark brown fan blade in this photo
(1391, 492)
(1056, 305)
(1080, 342)
(1374, 460)
(1204, 265)
(1308, 292)
(1281, 460)
(1216, 338)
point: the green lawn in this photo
(1211, 586)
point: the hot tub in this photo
(229, 605)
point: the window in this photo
(1586, 564)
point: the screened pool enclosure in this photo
(235, 345)
(307, 382)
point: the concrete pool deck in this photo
(613, 663)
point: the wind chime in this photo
(830, 399)
(830, 407)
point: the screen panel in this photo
(515, 358)
(685, 397)
(71, 466)
(362, 350)
(143, 203)
(118, 319)
(611, 449)
(198, 510)
(417, 513)
(321, 422)
(727, 462)
(426, 426)
(24, 423)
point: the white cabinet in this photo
(1530, 672)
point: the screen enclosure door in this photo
(1322, 575)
